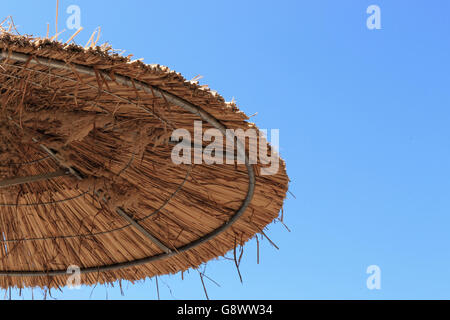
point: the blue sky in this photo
(364, 128)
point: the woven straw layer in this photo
(117, 137)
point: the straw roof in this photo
(91, 128)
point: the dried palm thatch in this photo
(87, 175)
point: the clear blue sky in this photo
(364, 129)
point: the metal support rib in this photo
(20, 57)
(133, 222)
(40, 177)
(136, 224)
(54, 157)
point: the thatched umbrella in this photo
(86, 176)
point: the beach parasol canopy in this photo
(87, 172)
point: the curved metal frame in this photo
(155, 91)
